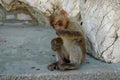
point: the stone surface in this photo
(39, 9)
(25, 53)
(12, 16)
(22, 16)
(101, 22)
(2, 15)
(16, 10)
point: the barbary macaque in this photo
(61, 54)
(73, 39)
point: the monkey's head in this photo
(56, 44)
(59, 21)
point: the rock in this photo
(40, 10)
(22, 16)
(101, 21)
(16, 10)
(2, 15)
(10, 16)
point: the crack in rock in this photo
(116, 37)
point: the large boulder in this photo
(101, 21)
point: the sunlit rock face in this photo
(101, 20)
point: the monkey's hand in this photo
(76, 35)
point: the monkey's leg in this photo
(63, 67)
(75, 59)
(68, 66)
(77, 37)
(61, 59)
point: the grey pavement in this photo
(25, 53)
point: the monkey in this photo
(61, 54)
(73, 39)
(57, 46)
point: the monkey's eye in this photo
(60, 23)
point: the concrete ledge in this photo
(25, 53)
(65, 76)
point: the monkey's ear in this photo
(63, 13)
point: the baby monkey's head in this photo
(56, 44)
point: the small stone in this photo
(22, 16)
(87, 62)
(5, 41)
(32, 67)
(27, 49)
(53, 55)
(37, 69)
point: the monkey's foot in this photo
(68, 66)
(53, 66)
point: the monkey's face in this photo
(56, 47)
(59, 22)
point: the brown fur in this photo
(73, 39)
(57, 46)
(61, 54)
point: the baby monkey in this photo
(70, 45)
(62, 56)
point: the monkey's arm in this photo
(69, 34)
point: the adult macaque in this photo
(73, 39)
